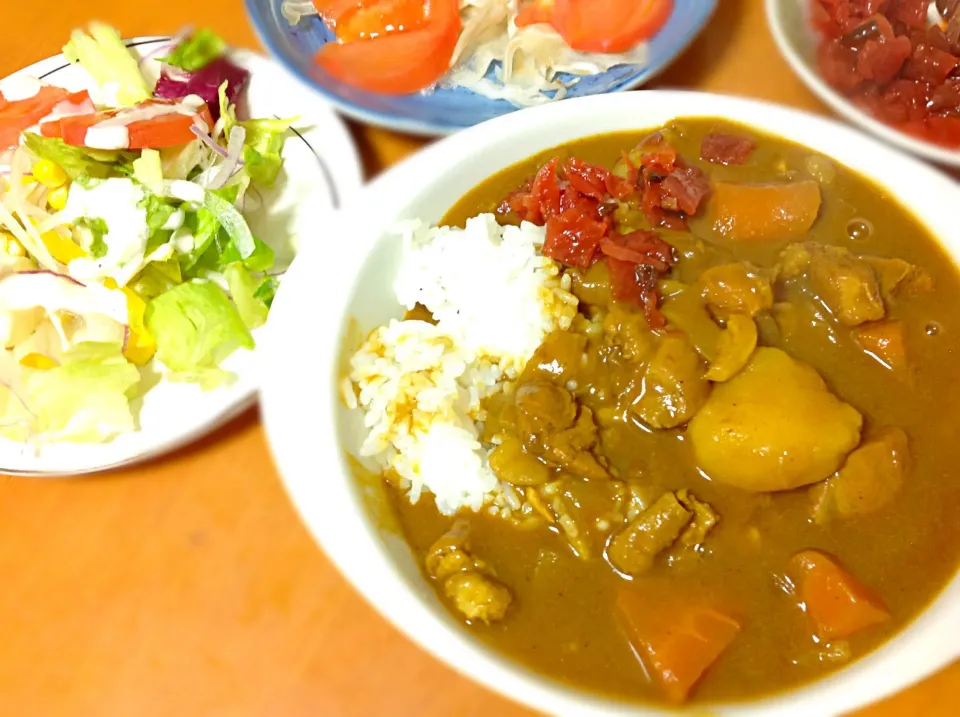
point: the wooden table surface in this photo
(188, 586)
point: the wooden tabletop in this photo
(188, 586)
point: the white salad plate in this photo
(321, 169)
(312, 433)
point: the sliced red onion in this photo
(208, 140)
(66, 277)
(234, 151)
(169, 46)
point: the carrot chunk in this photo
(765, 211)
(837, 603)
(676, 642)
(884, 341)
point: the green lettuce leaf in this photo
(196, 327)
(76, 162)
(156, 278)
(148, 170)
(267, 290)
(98, 228)
(103, 54)
(243, 289)
(197, 51)
(263, 145)
(84, 400)
(262, 148)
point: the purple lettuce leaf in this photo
(205, 83)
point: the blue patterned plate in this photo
(448, 110)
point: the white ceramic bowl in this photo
(790, 24)
(327, 292)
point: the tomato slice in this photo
(18, 115)
(609, 25)
(397, 63)
(535, 12)
(380, 19)
(152, 124)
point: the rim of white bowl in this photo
(842, 106)
(312, 463)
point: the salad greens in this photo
(148, 250)
(103, 55)
(196, 327)
(197, 51)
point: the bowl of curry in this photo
(640, 402)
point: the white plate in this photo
(321, 170)
(789, 22)
(310, 430)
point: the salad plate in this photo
(320, 170)
(444, 109)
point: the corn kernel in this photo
(10, 246)
(49, 174)
(110, 283)
(57, 198)
(62, 249)
(38, 361)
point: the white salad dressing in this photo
(19, 87)
(175, 221)
(113, 133)
(117, 202)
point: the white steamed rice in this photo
(495, 298)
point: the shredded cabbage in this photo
(496, 59)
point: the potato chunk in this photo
(774, 426)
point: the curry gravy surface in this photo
(563, 619)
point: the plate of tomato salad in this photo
(432, 67)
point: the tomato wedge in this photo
(535, 12)
(380, 19)
(397, 62)
(18, 115)
(152, 124)
(609, 25)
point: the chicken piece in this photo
(477, 596)
(633, 550)
(891, 273)
(734, 348)
(871, 477)
(735, 289)
(570, 448)
(543, 408)
(511, 463)
(774, 426)
(674, 384)
(450, 553)
(846, 284)
(687, 311)
(557, 359)
(628, 331)
(704, 518)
